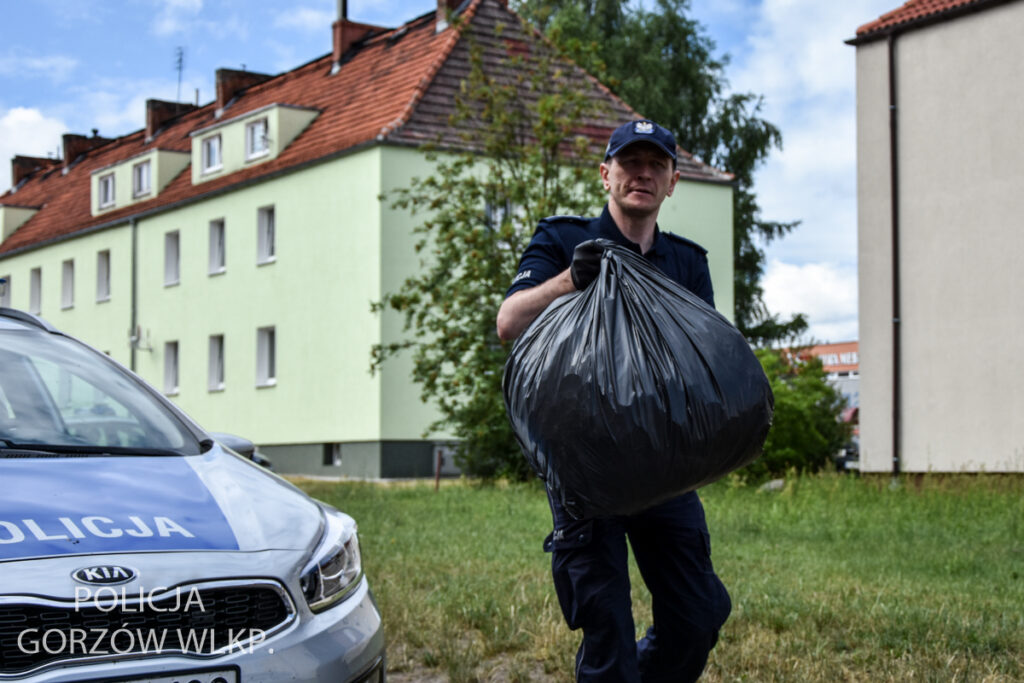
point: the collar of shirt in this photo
(607, 228)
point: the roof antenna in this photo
(179, 64)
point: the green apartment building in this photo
(229, 253)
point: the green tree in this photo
(662, 63)
(520, 160)
(806, 431)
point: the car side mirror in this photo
(239, 445)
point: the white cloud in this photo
(305, 19)
(794, 54)
(825, 292)
(798, 50)
(26, 132)
(176, 16)
(55, 67)
(188, 17)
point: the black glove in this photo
(586, 263)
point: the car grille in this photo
(197, 620)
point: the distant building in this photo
(228, 253)
(940, 100)
(841, 363)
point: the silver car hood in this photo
(217, 501)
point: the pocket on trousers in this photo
(575, 534)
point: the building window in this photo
(217, 253)
(332, 454)
(496, 214)
(266, 357)
(172, 258)
(103, 275)
(141, 179)
(265, 238)
(67, 284)
(212, 160)
(35, 290)
(171, 367)
(256, 139)
(107, 190)
(215, 379)
(5, 291)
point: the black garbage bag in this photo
(633, 391)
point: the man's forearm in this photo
(519, 310)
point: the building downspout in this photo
(133, 330)
(894, 191)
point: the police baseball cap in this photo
(643, 130)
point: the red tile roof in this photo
(394, 87)
(915, 12)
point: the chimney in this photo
(159, 112)
(231, 81)
(347, 33)
(75, 145)
(444, 8)
(22, 167)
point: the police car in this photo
(136, 548)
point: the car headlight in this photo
(335, 568)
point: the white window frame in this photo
(213, 154)
(5, 291)
(107, 190)
(172, 258)
(257, 142)
(266, 224)
(35, 291)
(218, 247)
(215, 372)
(142, 178)
(103, 275)
(172, 369)
(67, 284)
(266, 356)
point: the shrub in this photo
(806, 429)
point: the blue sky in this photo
(75, 65)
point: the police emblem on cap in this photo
(643, 127)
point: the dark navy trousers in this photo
(589, 562)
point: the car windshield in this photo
(56, 392)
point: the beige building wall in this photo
(960, 100)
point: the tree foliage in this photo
(521, 161)
(662, 63)
(806, 431)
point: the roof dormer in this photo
(252, 138)
(135, 179)
(13, 217)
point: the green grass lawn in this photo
(832, 579)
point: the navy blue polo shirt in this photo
(551, 249)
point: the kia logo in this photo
(105, 574)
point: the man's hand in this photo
(586, 263)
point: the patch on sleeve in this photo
(521, 276)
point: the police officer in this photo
(670, 540)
